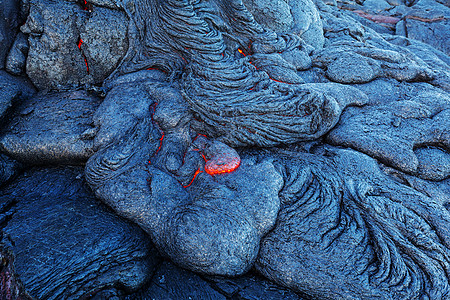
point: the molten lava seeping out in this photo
(222, 164)
(221, 159)
(80, 42)
(193, 178)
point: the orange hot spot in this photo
(241, 52)
(222, 164)
(193, 178)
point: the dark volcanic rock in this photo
(172, 283)
(52, 128)
(54, 59)
(65, 243)
(104, 36)
(427, 21)
(8, 168)
(70, 45)
(347, 230)
(133, 173)
(274, 14)
(251, 287)
(391, 129)
(12, 91)
(17, 57)
(9, 23)
(186, 80)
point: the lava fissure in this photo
(79, 44)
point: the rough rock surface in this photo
(341, 212)
(54, 59)
(208, 123)
(10, 19)
(427, 21)
(17, 57)
(52, 128)
(276, 14)
(13, 90)
(67, 244)
(103, 49)
(67, 45)
(8, 167)
(398, 131)
(172, 283)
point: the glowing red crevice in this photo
(160, 143)
(193, 178)
(79, 43)
(278, 80)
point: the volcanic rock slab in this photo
(52, 128)
(12, 91)
(9, 23)
(65, 243)
(70, 46)
(341, 212)
(399, 132)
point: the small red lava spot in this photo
(80, 42)
(241, 52)
(221, 164)
(86, 6)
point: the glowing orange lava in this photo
(241, 52)
(222, 164)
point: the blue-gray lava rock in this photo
(340, 211)
(65, 243)
(52, 128)
(13, 90)
(10, 18)
(150, 96)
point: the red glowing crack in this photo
(193, 178)
(80, 42)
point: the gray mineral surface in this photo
(225, 149)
